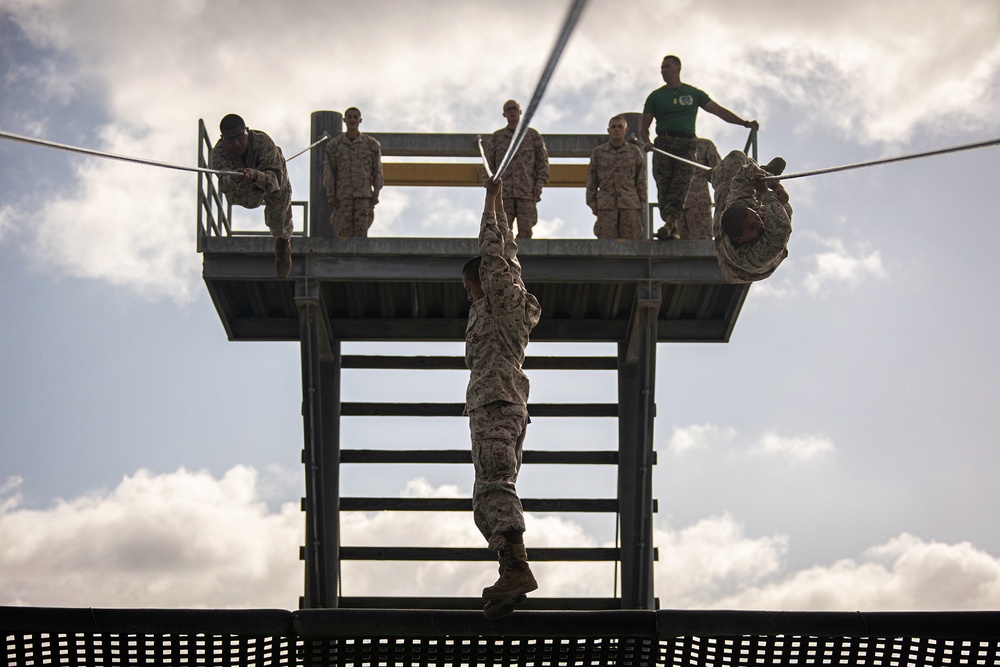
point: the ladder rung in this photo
(570, 604)
(363, 361)
(466, 553)
(456, 409)
(464, 456)
(465, 504)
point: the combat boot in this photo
(502, 607)
(775, 167)
(282, 257)
(515, 575)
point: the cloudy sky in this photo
(839, 453)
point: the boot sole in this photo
(499, 608)
(526, 588)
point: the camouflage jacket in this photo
(499, 322)
(352, 167)
(616, 177)
(756, 260)
(262, 155)
(529, 167)
(698, 195)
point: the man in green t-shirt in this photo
(675, 108)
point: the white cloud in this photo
(698, 436)
(832, 264)
(7, 214)
(906, 573)
(710, 558)
(187, 539)
(838, 265)
(183, 539)
(801, 448)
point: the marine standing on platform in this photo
(675, 108)
(501, 316)
(527, 173)
(264, 180)
(753, 219)
(352, 177)
(696, 219)
(616, 185)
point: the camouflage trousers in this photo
(618, 223)
(526, 213)
(498, 431)
(696, 223)
(352, 216)
(277, 206)
(673, 177)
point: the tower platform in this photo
(410, 289)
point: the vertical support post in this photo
(633, 119)
(636, 410)
(321, 456)
(329, 122)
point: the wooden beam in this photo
(467, 174)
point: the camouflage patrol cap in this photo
(232, 125)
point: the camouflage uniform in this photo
(497, 396)
(269, 187)
(696, 220)
(672, 178)
(756, 260)
(616, 190)
(352, 172)
(528, 169)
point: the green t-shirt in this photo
(675, 110)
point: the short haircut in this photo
(732, 220)
(231, 123)
(674, 59)
(471, 268)
(350, 109)
(618, 117)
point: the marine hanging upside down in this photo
(753, 220)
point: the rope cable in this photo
(572, 16)
(136, 160)
(482, 154)
(871, 163)
(310, 146)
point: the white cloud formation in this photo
(801, 448)
(698, 436)
(184, 539)
(6, 220)
(713, 557)
(838, 265)
(132, 226)
(827, 264)
(187, 539)
(906, 573)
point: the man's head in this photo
(741, 224)
(352, 118)
(512, 112)
(670, 69)
(617, 127)
(234, 134)
(470, 279)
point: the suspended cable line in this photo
(872, 163)
(572, 16)
(136, 160)
(310, 146)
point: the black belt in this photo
(678, 133)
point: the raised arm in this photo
(501, 272)
(728, 116)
